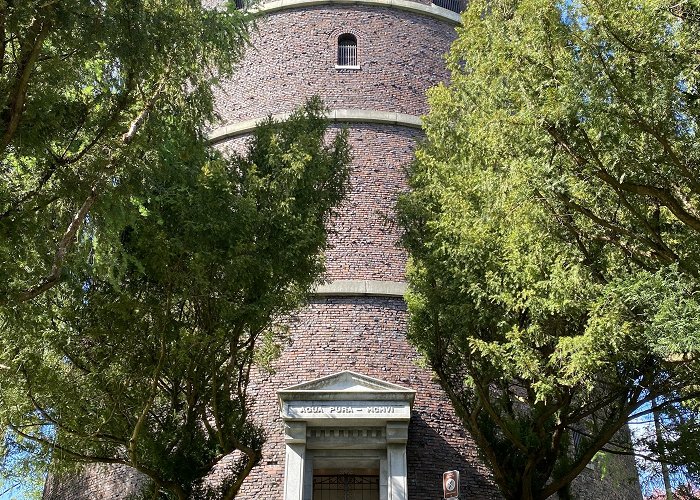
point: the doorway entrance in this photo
(347, 484)
(345, 437)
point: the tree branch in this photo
(11, 115)
(71, 454)
(68, 238)
(149, 402)
(253, 457)
(614, 425)
(61, 251)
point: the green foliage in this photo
(142, 354)
(140, 267)
(89, 93)
(554, 228)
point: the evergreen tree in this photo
(554, 230)
(143, 271)
(89, 93)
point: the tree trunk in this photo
(525, 488)
(662, 452)
(565, 493)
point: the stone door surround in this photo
(346, 420)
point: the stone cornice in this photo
(405, 5)
(335, 115)
(347, 397)
(359, 288)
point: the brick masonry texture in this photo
(96, 482)
(294, 55)
(364, 238)
(366, 335)
(400, 57)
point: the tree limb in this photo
(69, 236)
(11, 115)
(253, 457)
(61, 251)
(133, 457)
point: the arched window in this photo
(347, 50)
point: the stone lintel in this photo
(335, 115)
(350, 288)
(431, 10)
(346, 398)
(349, 412)
(346, 438)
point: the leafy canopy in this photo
(554, 228)
(144, 360)
(141, 270)
(94, 97)
(89, 93)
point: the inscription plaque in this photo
(351, 409)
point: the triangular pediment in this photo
(346, 384)
(347, 381)
(346, 395)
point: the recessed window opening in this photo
(346, 484)
(347, 50)
(454, 5)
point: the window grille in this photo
(346, 487)
(453, 5)
(347, 50)
(576, 440)
(241, 4)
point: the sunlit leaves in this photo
(553, 224)
(142, 354)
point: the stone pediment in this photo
(343, 384)
(346, 395)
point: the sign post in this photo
(450, 483)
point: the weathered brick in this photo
(400, 57)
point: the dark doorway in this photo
(359, 484)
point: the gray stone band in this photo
(354, 288)
(335, 115)
(419, 8)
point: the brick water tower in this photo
(348, 412)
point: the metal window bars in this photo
(346, 487)
(347, 50)
(454, 5)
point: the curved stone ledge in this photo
(334, 115)
(418, 8)
(355, 288)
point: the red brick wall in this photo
(365, 238)
(366, 335)
(96, 482)
(293, 58)
(400, 55)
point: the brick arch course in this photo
(400, 57)
(425, 9)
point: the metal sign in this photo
(450, 483)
